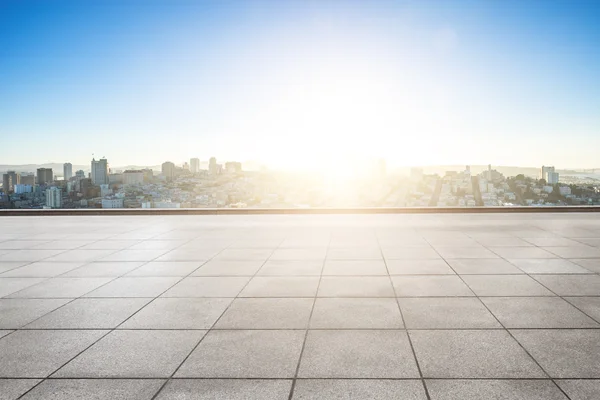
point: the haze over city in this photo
(301, 85)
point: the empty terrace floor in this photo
(441, 307)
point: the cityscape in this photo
(197, 184)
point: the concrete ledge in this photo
(296, 211)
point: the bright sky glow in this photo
(301, 84)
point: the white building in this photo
(552, 178)
(105, 190)
(67, 171)
(548, 189)
(21, 188)
(112, 203)
(133, 177)
(53, 197)
(99, 172)
(194, 165)
(564, 190)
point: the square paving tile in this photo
(103, 269)
(158, 245)
(226, 389)
(549, 266)
(291, 268)
(187, 254)
(450, 252)
(208, 286)
(564, 353)
(507, 389)
(348, 313)
(244, 254)
(589, 305)
(472, 354)
(354, 253)
(90, 314)
(245, 354)
(357, 354)
(176, 313)
(591, 264)
(478, 266)
(41, 270)
(575, 251)
(15, 313)
(554, 242)
(4, 333)
(11, 389)
(109, 245)
(355, 286)
(11, 285)
(273, 286)
(135, 287)
(134, 255)
(503, 241)
(522, 252)
(537, 312)
(79, 255)
(354, 267)
(133, 354)
(267, 313)
(410, 253)
(36, 354)
(20, 244)
(373, 389)
(7, 266)
(433, 285)
(96, 389)
(580, 389)
(418, 267)
(229, 268)
(30, 255)
(61, 288)
(165, 268)
(505, 285)
(571, 285)
(446, 313)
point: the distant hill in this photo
(57, 168)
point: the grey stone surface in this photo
(135, 287)
(7, 266)
(291, 268)
(15, 313)
(310, 253)
(244, 254)
(61, 288)
(12, 285)
(357, 354)
(284, 286)
(356, 313)
(354, 253)
(446, 313)
(229, 268)
(418, 267)
(478, 266)
(479, 252)
(522, 252)
(103, 269)
(571, 353)
(36, 354)
(472, 354)
(508, 389)
(553, 242)
(165, 268)
(267, 313)
(177, 313)
(505, 285)
(226, 389)
(355, 267)
(4, 333)
(78, 255)
(571, 285)
(580, 389)
(373, 389)
(410, 253)
(41, 270)
(433, 285)
(354, 286)
(548, 266)
(591, 264)
(90, 314)
(537, 312)
(208, 286)
(30, 255)
(589, 305)
(575, 251)
(245, 354)
(12, 389)
(95, 389)
(133, 354)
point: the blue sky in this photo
(298, 83)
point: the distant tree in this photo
(520, 177)
(542, 182)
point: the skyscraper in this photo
(44, 176)
(212, 166)
(80, 174)
(9, 180)
(67, 171)
(544, 171)
(99, 171)
(168, 170)
(194, 165)
(53, 197)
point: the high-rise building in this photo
(544, 172)
(194, 165)
(80, 174)
(212, 166)
(552, 178)
(67, 171)
(53, 197)
(168, 170)
(9, 180)
(133, 177)
(28, 179)
(44, 176)
(21, 188)
(99, 171)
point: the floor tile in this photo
(553, 242)
(90, 314)
(4, 333)
(15, 313)
(575, 251)
(226, 389)
(109, 244)
(564, 353)
(271, 286)
(244, 254)
(548, 266)
(446, 313)
(30, 255)
(374, 354)
(418, 267)
(504, 241)
(410, 253)
(165, 268)
(133, 354)
(522, 252)
(229, 268)
(41, 270)
(245, 354)
(591, 264)
(355, 286)
(176, 313)
(355, 253)
(348, 313)
(433, 285)
(103, 269)
(208, 287)
(505, 285)
(36, 354)
(508, 389)
(373, 389)
(476, 266)
(291, 268)
(21, 244)
(12, 389)
(79, 255)
(134, 255)
(449, 252)
(12, 285)
(472, 354)
(580, 389)
(135, 287)
(96, 389)
(158, 244)
(571, 285)
(8, 266)
(589, 305)
(181, 254)
(354, 267)
(61, 288)
(537, 312)
(267, 313)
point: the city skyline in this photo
(295, 84)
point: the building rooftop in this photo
(431, 306)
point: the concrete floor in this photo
(490, 306)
